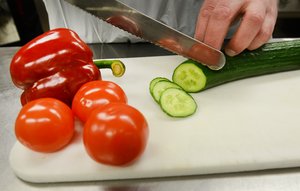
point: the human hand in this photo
(255, 29)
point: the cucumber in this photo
(173, 100)
(187, 76)
(177, 103)
(154, 81)
(270, 58)
(160, 86)
(117, 66)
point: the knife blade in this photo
(129, 19)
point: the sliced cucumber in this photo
(177, 103)
(161, 86)
(270, 58)
(187, 75)
(173, 100)
(154, 81)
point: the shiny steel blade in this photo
(140, 25)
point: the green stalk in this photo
(117, 67)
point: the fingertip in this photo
(234, 47)
(260, 40)
(255, 45)
(230, 52)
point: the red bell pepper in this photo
(54, 64)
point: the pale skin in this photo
(258, 18)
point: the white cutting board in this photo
(250, 124)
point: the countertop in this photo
(285, 179)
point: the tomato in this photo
(126, 23)
(96, 94)
(172, 44)
(116, 134)
(45, 125)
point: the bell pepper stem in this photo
(117, 67)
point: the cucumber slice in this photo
(189, 76)
(154, 81)
(177, 103)
(161, 86)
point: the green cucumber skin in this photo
(155, 96)
(154, 81)
(270, 58)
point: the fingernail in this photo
(230, 52)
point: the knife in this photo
(129, 19)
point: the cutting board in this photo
(246, 125)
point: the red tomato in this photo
(45, 125)
(96, 94)
(116, 134)
(172, 44)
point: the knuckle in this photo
(207, 10)
(222, 12)
(255, 18)
(210, 7)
